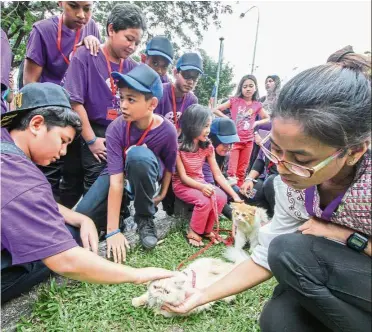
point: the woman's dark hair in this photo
(54, 116)
(193, 121)
(126, 16)
(256, 95)
(277, 81)
(331, 101)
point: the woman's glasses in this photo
(299, 170)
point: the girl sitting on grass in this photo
(188, 182)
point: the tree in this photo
(181, 21)
(205, 85)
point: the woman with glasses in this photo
(318, 244)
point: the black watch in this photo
(357, 242)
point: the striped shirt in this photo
(193, 163)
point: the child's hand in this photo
(237, 199)
(207, 190)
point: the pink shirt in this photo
(193, 163)
(244, 116)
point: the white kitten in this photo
(247, 220)
(199, 274)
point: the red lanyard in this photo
(59, 40)
(141, 138)
(175, 106)
(112, 84)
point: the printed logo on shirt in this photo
(243, 117)
(170, 116)
(116, 103)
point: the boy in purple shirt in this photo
(178, 96)
(159, 55)
(93, 92)
(5, 62)
(141, 150)
(34, 237)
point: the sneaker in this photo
(147, 234)
(232, 180)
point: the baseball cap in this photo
(160, 45)
(142, 78)
(35, 95)
(190, 61)
(225, 130)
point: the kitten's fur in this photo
(247, 219)
(173, 290)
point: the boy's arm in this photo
(115, 197)
(31, 72)
(164, 187)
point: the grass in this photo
(77, 306)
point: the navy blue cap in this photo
(36, 95)
(142, 78)
(225, 130)
(190, 61)
(160, 45)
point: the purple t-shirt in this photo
(164, 78)
(31, 226)
(6, 62)
(42, 47)
(88, 82)
(162, 141)
(165, 106)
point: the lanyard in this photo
(112, 84)
(329, 209)
(175, 106)
(141, 138)
(59, 39)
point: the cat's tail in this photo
(235, 255)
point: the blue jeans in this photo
(18, 279)
(142, 171)
(323, 286)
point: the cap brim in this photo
(228, 139)
(153, 52)
(184, 68)
(130, 81)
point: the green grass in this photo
(77, 306)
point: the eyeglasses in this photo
(189, 76)
(299, 170)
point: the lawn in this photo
(86, 307)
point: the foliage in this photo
(182, 21)
(206, 83)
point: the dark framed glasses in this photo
(299, 170)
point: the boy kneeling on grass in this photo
(141, 150)
(38, 235)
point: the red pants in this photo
(239, 160)
(204, 214)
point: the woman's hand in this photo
(317, 227)
(207, 190)
(257, 138)
(237, 199)
(89, 235)
(193, 299)
(147, 274)
(98, 149)
(246, 187)
(117, 244)
(91, 43)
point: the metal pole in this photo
(255, 41)
(218, 72)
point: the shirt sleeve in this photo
(115, 150)
(76, 79)
(289, 214)
(36, 49)
(37, 228)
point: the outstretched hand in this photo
(193, 299)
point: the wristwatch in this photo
(357, 242)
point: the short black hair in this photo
(54, 116)
(126, 16)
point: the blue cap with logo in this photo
(142, 78)
(35, 95)
(190, 61)
(160, 45)
(225, 130)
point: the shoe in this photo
(227, 211)
(147, 234)
(232, 180)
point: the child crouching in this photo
(188, 182)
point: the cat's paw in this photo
(137, 302)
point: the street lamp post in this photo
(255, 41)
(218, 72)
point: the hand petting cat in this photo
(194, 298)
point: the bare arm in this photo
(165, 184)
(87, 131)
(185, 178)
(31, 72)
(219, 109)
(264, 116)
(83, 265)
(115, 197)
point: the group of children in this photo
(143, 137)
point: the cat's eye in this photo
(166, 292)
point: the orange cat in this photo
(247, 220)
